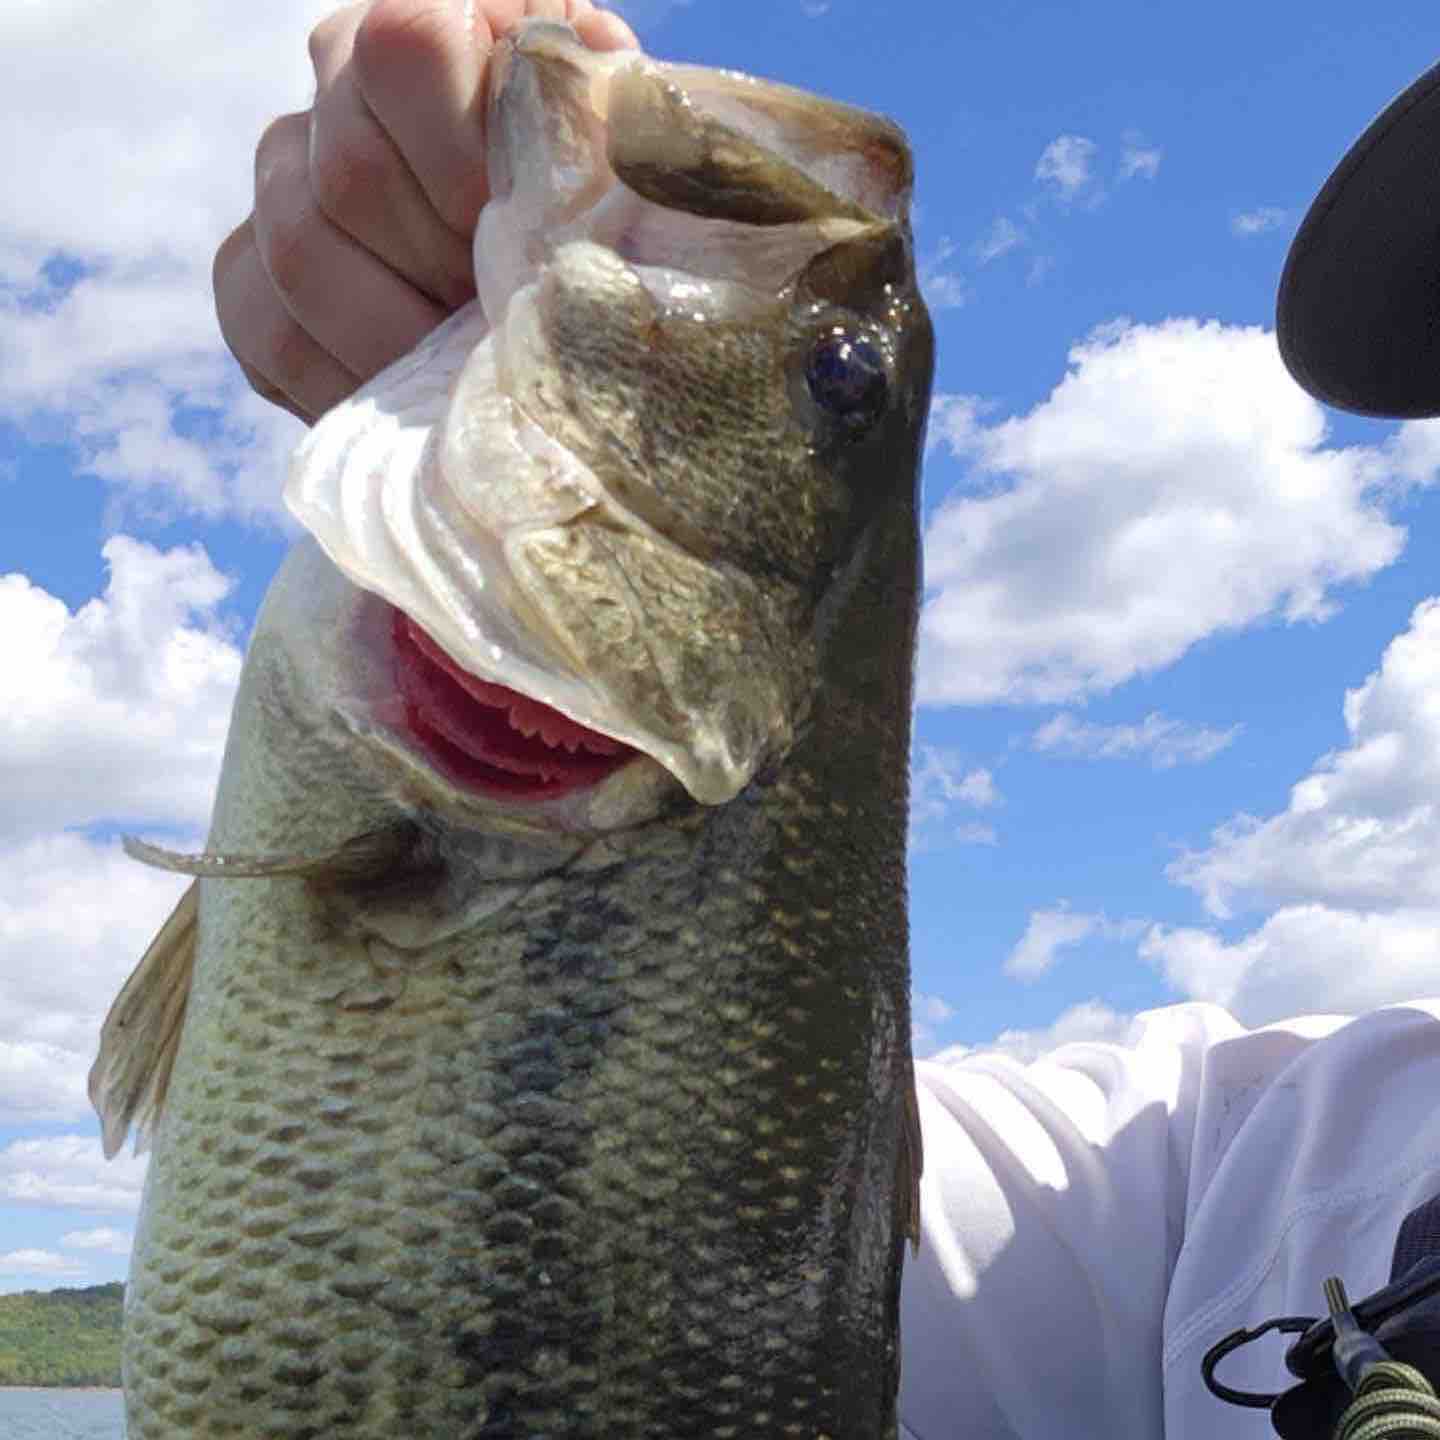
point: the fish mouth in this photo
(455, 487)
(488, 738)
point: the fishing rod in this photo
(1362, 1370)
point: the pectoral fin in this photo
(141, 1034)
(361, 858)
(910, 1163)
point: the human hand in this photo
(360, 240)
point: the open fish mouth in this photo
(489, 738)
(544, 584)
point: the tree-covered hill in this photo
(61, 1337)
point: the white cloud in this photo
(1346, 870)
(1362, 829)
(1176, 484)
(120, 709)
(143, 110)
(70, 1171)
(1066, 163)
(105, 1238)
(1003, 236)
(978, 789)
(1040, 267)
(944, 289)
(931, 1009)
(814, 9)
(1305, 960)
(927, 1012)
(118, 712)
(1046, 934)
(1165, 741)
(38, 1262)
(152, 117)
(1139, 160)
(108, 363)
(1412, 456)
(1088, 1021)
(940, 784)
(1257, 222)
(40, 1082)
(955, 422)
(75, 918)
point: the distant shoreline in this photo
(41, 1389)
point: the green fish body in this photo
(531, 1058)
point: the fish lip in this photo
(876, 174)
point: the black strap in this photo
(1414, 1334)
(1419, 1237)
(1312, 1410)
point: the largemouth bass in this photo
(532, 1056)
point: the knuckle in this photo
(288, 242)
(324, 37)
(288, 354)
(282, 148)
(262, 386)
(283, 355)
(350, 176)
(287, 224)
(227, 253)
(228, 281)
(331, 33)
(274, 352)
(404, 30)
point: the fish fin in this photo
(361, 857)
(131, 1074)
(910, 1161)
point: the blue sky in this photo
(1180, 684)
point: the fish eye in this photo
(847, 377)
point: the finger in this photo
(352, 304)
(273, 394)
(419, 66)
(283, 364)
(363, 185)
(604, 30)
(599, 29)
(333, 38)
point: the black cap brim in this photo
(1358, 316)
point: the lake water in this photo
(62, 1415)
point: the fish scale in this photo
(564, 1134)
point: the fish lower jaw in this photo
(420, 780)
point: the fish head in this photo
(621, 492)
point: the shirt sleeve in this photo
(1053, 1208)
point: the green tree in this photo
(61, 1337)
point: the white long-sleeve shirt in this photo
(1095, 1221)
